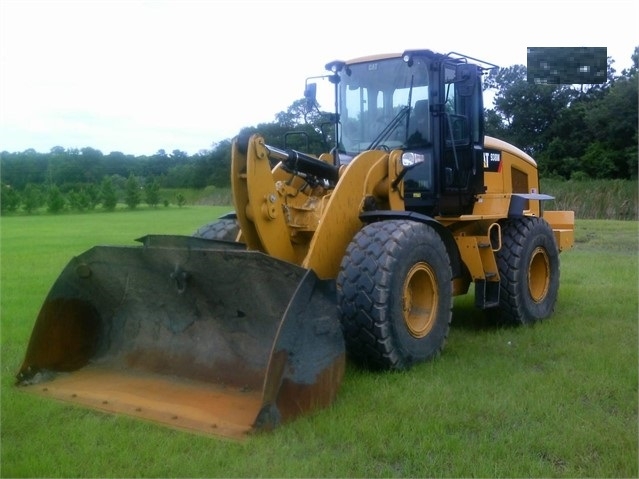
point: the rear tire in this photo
(224, 229)
(394, 292)
(528, 264)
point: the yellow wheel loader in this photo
(357, 253)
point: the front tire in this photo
(225, 229)
(394, 293)
(528, 264)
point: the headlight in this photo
(410, 158)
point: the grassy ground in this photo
(555, 400)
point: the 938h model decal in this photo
(492, 160)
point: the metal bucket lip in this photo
(183, 241)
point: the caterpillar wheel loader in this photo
(357, 253)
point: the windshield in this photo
(384, 105)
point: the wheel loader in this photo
(356, 253)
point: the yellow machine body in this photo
(282, 216)
(329, 259)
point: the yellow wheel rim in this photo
(420, 300)
(539, 274)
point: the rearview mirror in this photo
(465, 78)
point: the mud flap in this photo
(195, 334)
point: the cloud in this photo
(138, 76)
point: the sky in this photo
(139, 76)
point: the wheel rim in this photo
(539, 274)
(420, 300)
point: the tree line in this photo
(573, 131)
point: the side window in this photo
(449, 104)
(457, 126)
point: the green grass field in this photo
(555, 400)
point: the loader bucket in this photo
(195, 334)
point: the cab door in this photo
(462, 143)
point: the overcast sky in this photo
(139, 76)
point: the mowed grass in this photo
(555, 400)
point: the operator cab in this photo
(429, 106)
